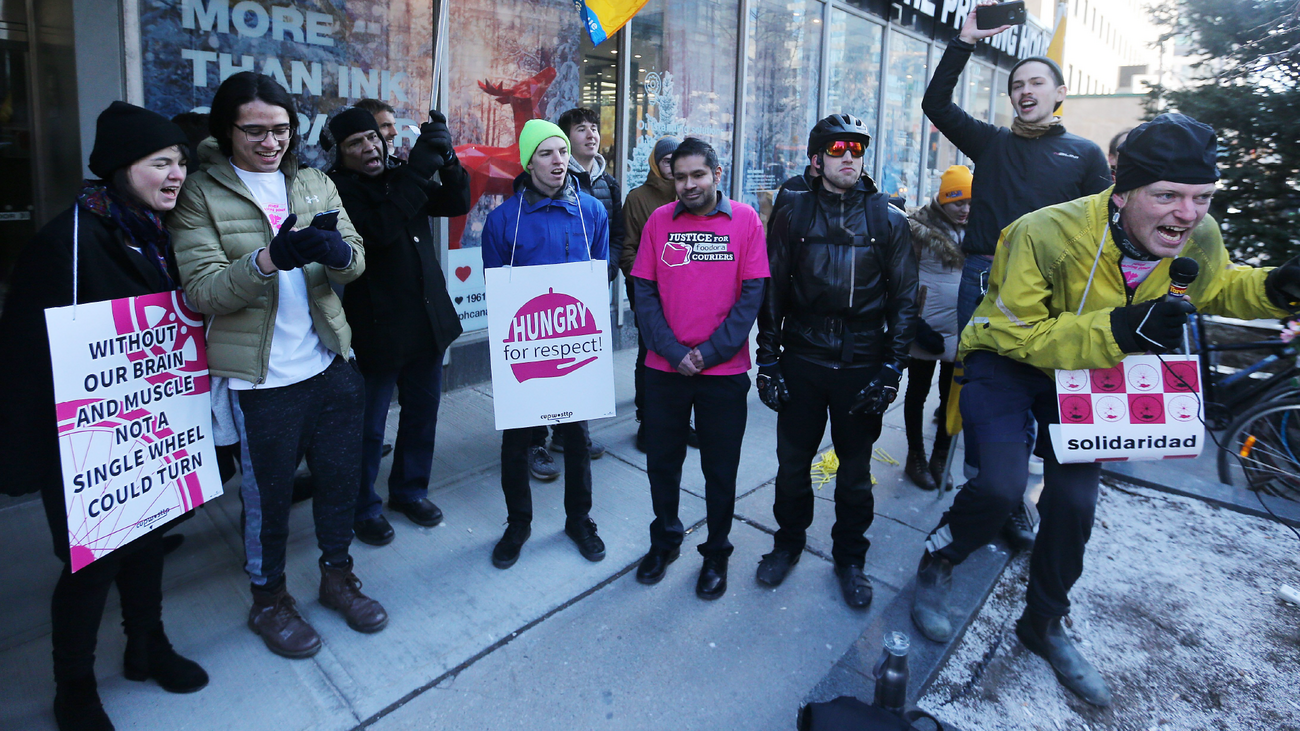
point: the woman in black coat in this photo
(123, 251)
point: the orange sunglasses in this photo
(839, 147)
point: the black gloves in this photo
(433, 150)
(292, 249)
(326, 247)
(284, 255)
(927, 338)
(1282, 285)
(1155, 325)
(879, 394)
(771, 386)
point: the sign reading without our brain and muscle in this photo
(549, 339)
(1145, 408)
(135, 418)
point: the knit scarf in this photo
(1032, 130)
(142, 227)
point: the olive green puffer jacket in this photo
(216, 228)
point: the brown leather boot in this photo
(276, 620)
(340, 590)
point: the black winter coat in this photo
(42, 278)
(1013, 175)
(399, 309)
(843, 287)
(605, 189)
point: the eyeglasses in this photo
(258, 134)
(839, 147)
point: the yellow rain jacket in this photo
(1040, 272)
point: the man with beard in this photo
(834, 334)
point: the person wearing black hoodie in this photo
(1033, 164)
(123, 250)
(401, 315)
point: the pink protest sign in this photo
(549, 336)
(1147, 407)
(134, 417)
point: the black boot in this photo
(930, 604)
(918, 471)
(150, 655)
(938, 461)
(77, 706)
(1045, 637)
(1018, 531)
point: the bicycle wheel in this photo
(1265, 444)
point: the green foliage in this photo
(1247, 86)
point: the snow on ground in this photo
(1176, 606)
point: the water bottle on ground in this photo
(891, 673)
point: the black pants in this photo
(815, 391)
(321, 418)
(514, 471)
(919, 375)
(998, 399)
(78, 603)
(721, 402)
(639, 371)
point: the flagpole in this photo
(439, 52)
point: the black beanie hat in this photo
(1172, 147)
(1056, 71)
(125, 133)
(353, 120)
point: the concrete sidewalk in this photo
(553, 643)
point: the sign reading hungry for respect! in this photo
(1145, 408)
(550, 343)
(134, 418)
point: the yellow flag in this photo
(1056, 50)
(603, 18)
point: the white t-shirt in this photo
(1136, 271)
(296, 350)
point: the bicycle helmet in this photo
(837, 127)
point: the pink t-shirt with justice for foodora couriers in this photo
(699, 263)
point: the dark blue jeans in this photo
(419, 391)
(1000, 398)
(721, 403)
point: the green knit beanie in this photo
(537, 131)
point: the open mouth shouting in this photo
(1172, 235)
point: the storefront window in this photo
(781, 104)
(1002, 114)
(901, 149)
(600, 92)
(510, 61)
(683, 70)
(854, 59)
(979, 87)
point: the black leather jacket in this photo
(843, 287)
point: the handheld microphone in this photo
(1182, 272)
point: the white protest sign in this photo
(1142, 409)
(550, 343)
(135, 418)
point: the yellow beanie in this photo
(954, 185)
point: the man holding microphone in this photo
(1081, 285)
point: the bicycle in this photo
(1229, 393)
(1265, 442)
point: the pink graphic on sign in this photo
(1111, 409)
(1180, 376)
(1143, 378)
(552, 317)
(1183, 408)
(1146, 408)
(1073, 381)
(1108, 380)
(1076, 409)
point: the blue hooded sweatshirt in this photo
(572, 226)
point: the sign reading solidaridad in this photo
(550, 342)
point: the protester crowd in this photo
(1036, 261)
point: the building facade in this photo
(749, 76)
